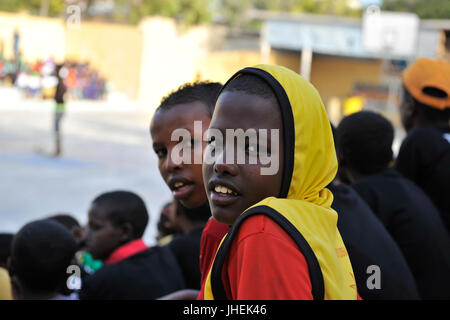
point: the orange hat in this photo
(425, 73)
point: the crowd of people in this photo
(39, 79)
(339, 219)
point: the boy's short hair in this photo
(124, 207)
(40, 253)
(205, 92)
(66, 220)
(251, 84)
(365, 141)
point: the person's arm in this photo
(264, 265)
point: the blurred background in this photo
(121, 57)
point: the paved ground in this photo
(103, 150)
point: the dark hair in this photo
(431, 114)
(252, 85)
(364, 141)
(40, 253)
(124, 207)
(66, 220)
(205, 92)
(5, 247)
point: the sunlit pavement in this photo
(104, 149)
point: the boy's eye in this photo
(212, 142)
(160, 152)
(190, 143)
(251, 149)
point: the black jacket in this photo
(149, 274)
(424, 158)
(186, 249)
(415, 224)
(368, 243)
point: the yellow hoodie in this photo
(303, 208)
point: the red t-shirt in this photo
(264, 263)
(212, 234)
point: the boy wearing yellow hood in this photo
(283, 242)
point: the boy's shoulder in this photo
(261, 226)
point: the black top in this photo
(424, 157)
(415, 224)
(60, 91)
(186, 249)
(368, 243)
(149, 274)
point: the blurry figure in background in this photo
(186, 246)
(60, 108)
(424, 155)
(364, 152)
(369, 244)
(16, 49)
(41, 253)
(71, 224)
(5, 252)
(132, 270)
(166, 231)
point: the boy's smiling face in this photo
(232, 188)
(184, 180)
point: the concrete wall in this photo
(333, 77)
(40, 38)
(114, 50)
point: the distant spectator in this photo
(132, 270)
(424, 155)
(365, 151)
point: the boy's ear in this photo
(10, 266)
(127, 232)
(78, 233)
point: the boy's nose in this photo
(222, 167)
(172, 165)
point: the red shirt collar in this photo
(126, 250)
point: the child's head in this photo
(364, 144)
(70, 223)
(426, 93)
(40, 253)
(164, 225)
(247, 102)
(179, 110)
(114, 218)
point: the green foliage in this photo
(188, 11)
(192, 12)
(55, 7)
(425, 9)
